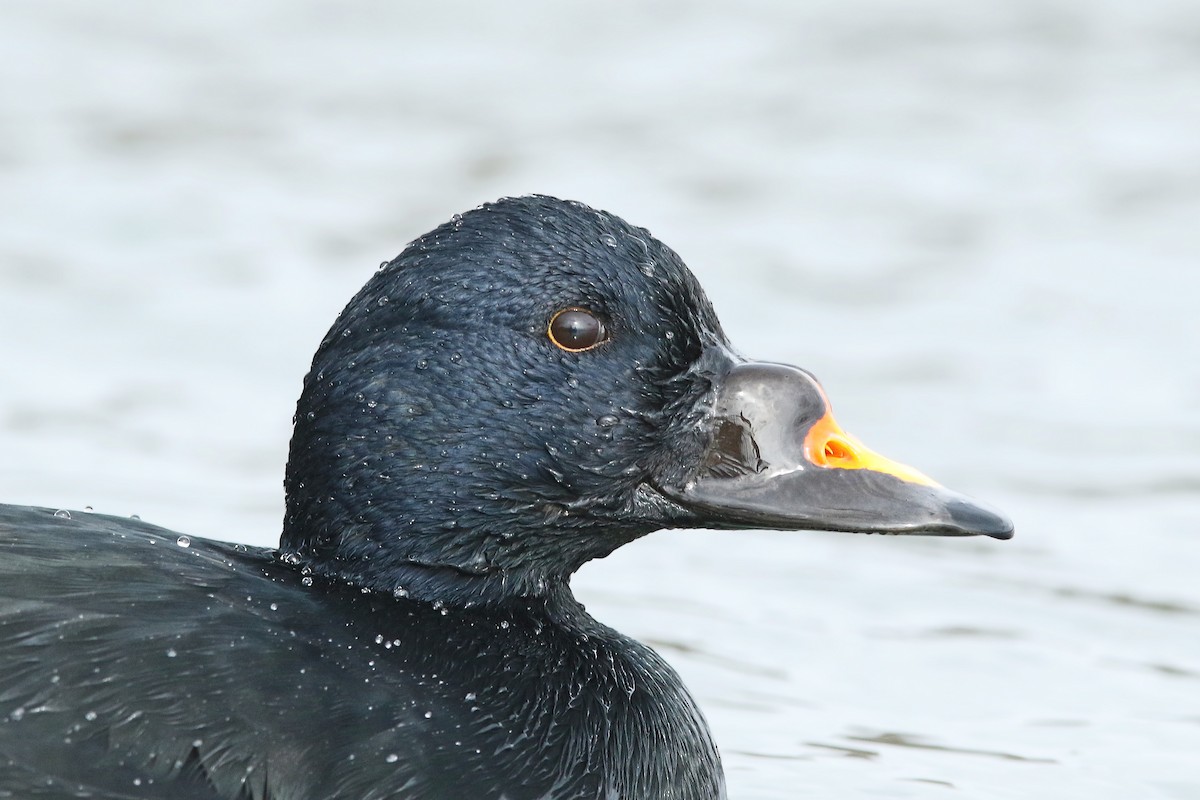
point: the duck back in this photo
(141, 664)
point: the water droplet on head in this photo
(607, 420)
(184, 541)
(422, 364)
(383, 301)
(90, 716)
(647, 268)
(399, 591)
(608, 239)
(62, 513)
(134, 516)
(307, 580)
(392, 758)
(670, 334)
(88, 509)
(16, 714)
(171, 652)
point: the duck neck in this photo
(445, 585)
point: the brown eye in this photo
(576, 329)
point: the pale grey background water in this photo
(978, 223)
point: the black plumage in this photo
(145, 669)
(414, 637)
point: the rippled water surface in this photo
(976, 223)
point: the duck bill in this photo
(777, 459)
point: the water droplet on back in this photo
(607, 420)
(608, 239)
(184, 541)
(62, 513)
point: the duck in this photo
(525, 388)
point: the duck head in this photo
(535, 383)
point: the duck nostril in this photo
(838, 451)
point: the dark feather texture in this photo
(452, 464)
(134, 667)
(414, 637)
(440, 427)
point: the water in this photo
(976, 223)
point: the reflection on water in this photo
(975, 223)
(908, 740)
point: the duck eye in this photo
(576, 329)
